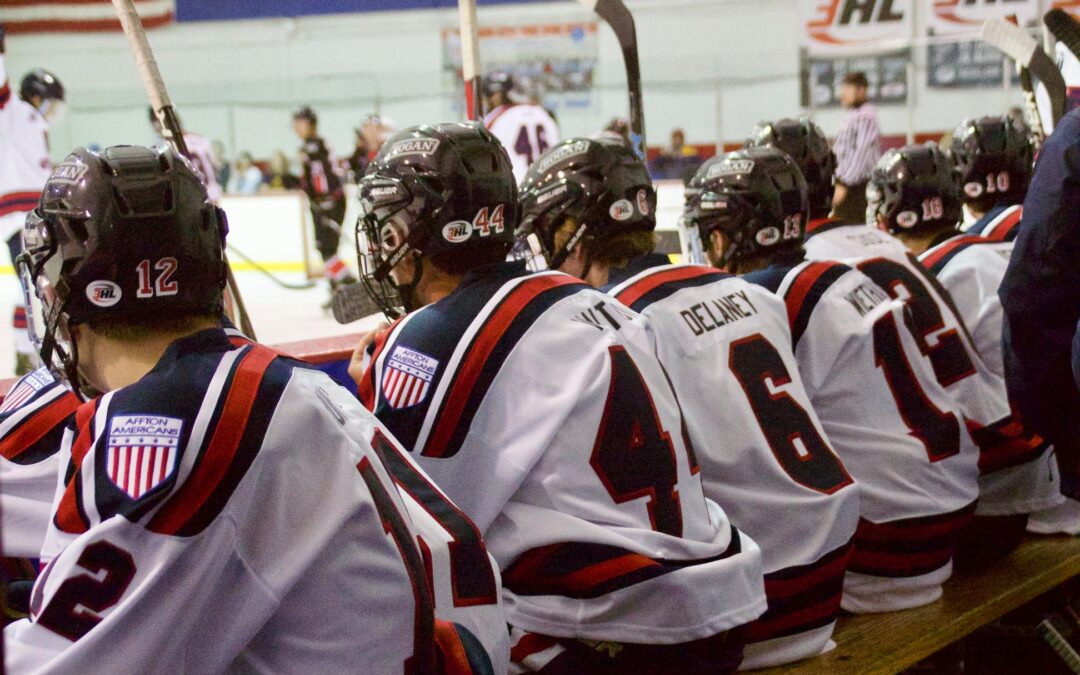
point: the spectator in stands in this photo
(224, 170)
(677, 160)
(248, 177)
(280, 176)
(857, 147)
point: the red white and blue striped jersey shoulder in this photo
(525, 130)
(24, 162)
(1000, 224)
(533, 390)
(35, 412)
(896, 429)
(233, 483)
(726, 345)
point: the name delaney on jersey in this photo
(704, 317)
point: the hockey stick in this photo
(270, 275)
(1017, 44)
(615, 13)
(1064, 28)
(470, 60)
(170, 123)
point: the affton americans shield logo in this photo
(142, 451)
(408, 377)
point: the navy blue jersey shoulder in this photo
(979, 225)
(665, 289)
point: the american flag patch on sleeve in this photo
(407, 377)
(142, 451)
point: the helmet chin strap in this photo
(563, 253)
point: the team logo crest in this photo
(407, 377)
(142, 451)
(25, 389)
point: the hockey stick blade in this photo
(1017, 44)
(616, 15)
(303, 286)
(1064, 28)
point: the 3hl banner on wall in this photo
(875, 36)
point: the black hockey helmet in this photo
(497, 82)
(913, 187)
(807, 144)
(599, 182)
(432, 191)
(305, 113)
(993, 158)
(127, 233)
(40, 82)
(756, 197)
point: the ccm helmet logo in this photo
(103, 293)
(457, 231)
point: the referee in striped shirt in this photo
(857, 147)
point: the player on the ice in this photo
(726, 346)
(25, 117)
(200, 153)
(535, 402)
(323, 183)
(526, 130)
(209, 478)
(896, 429)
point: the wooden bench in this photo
(888, 643)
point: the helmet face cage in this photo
(545, 212)
(38, 268)
(385, 234)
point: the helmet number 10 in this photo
(997, 182)
(163, 285)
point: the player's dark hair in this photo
(857, 79)
(135, 329)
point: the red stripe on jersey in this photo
(211, 470)
(40, 423)
(529, 644)
(816, 224)
(366, 388)
(5, 95)
(69, 517)
(1005, 444)
(1001, 230)
(454, 661)
(796, 294)
(482, 345)
(776, 588)
(14, 202)
(822, 613)
(635, 291)
(943, 250)
(909, 547)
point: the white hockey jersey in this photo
(24, 158)
(726, 345)
(226, 512)
(896, 429)
(1019, 475)
(201, 154)
(525, 130)
(453, 552)
(33, 417)
(536, 404)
